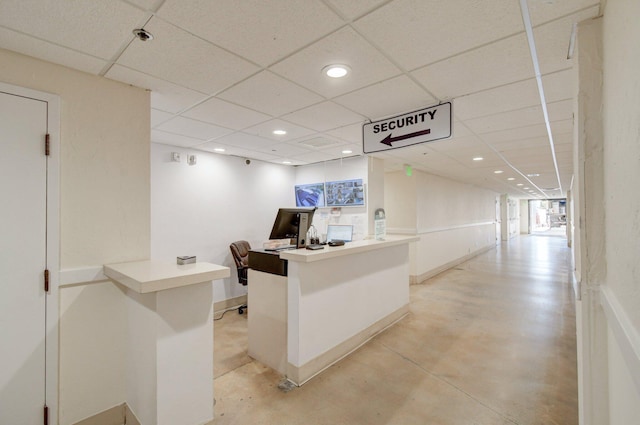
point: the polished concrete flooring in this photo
(489, 342)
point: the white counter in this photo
(331, 302)
(169, 339)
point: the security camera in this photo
(247, 161)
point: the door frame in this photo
(53, 239)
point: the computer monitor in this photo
(339, 232)
(292, 223)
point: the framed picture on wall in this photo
(310, 195)
(345, 193)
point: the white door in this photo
(23, 214)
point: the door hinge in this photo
(47, 144)
(46, 280)
(46, 415)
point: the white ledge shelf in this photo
(152, 275)
(356, 247)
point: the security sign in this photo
(425, 125)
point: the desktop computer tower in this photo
(303, 227)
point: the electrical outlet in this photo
(192, 159)
(175, 156)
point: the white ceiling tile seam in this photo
(526, 19)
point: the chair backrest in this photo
(240, 253)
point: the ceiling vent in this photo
(319, 142)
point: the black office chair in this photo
(240, 253)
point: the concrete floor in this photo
(491, 341)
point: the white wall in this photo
(200, 209)
(524, 216)
(104, 218)
(454, 220)
(621, 161)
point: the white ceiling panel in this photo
(500, 99)
(346, 47)
(210, 87)
(260, 31)
(507, 120)
(158, 117)
(559, 85)
(270, 94)
(545, 10)
(324, 116)
(12, 40)
(165, 138)
(193, 128)
(479, 69)
(225, 114)
(349, 133)
(99, 27)
(552, 40)
(165, 96)
(267, 128)
(400, 95)
(181, 58)
(353, 9)
(246, 141)
(427, 31)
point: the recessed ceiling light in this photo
(286, 162)
(478, 158)
(336, 70)
(511, 178)
(498, 172)
(219, 149)
(520, 184)
(279, 132)
(347, 151)
(525, 188)
(533, 175)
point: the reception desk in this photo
(330, 302)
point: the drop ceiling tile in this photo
(266, 129)
(552, 40)
(559, 85)
(193, 128)
(246, 141)
(270, 94)
(40, 49)
(519, 133)
(158, 117)
(561, 127)
(500, 99)
(351, 133)
(510, 145)
(506, 120)
(455, 143)
(559, 111)
(225, 114)
(95, 27)
(287, 149)
(354, 9)
(165, 138)
(324, 116)
(260, 31)
(544, 11)
(165, 96)
(313, 157)
(179, 57)
(146, 4)
(502, 62)
(400, 95)
(345, 46)
(419, 32)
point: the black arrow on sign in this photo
(389, 140)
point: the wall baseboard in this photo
(418, 279)
(625, 333)
(229, 303)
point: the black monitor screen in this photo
(287, 221)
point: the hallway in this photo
(491, 341)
